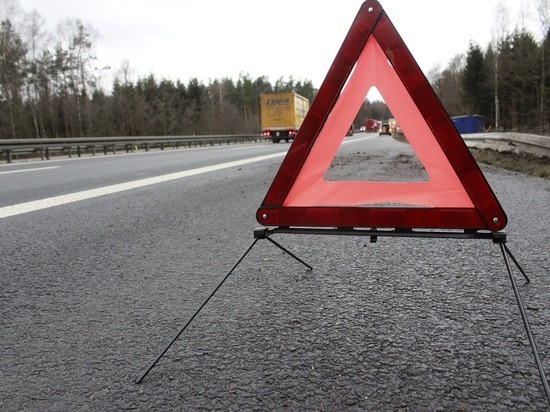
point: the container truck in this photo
(372, 125)
(282, 115)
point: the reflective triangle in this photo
(456, 194)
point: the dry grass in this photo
(522, 162)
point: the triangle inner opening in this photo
(375, 149)
(442, 188)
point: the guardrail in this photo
(45, 148)
(510, 142)
(504, 142)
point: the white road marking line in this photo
(35, 205)
(28, 170)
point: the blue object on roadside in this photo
(469, 124)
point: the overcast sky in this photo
(211, 39)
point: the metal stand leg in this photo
(289, 253)
(515, 262)
(264, 233)
(196, 313)
(497, 237)
(505, 253)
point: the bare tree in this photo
(543, 10)
(12, 54)
(36, 40)
(125, 74)
(543, 7)
(447, 84)
(500, 31)
(9, 9)
(77, 39)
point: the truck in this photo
(282, 115)
(372, 125)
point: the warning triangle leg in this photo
(516, 263)
(264, 233)
(505, 253)
(177, 335)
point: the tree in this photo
(36, 39)
(9, 10)
(543, 9)
(545, 85)
(520, 82)
(447, 85)
(247, 98)
(196, 95)
(305, 88)
(222, 109)
(474, 81)
(371, 110)
(76, 41)
(500, 32)
(12, 73)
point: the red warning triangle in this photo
(456, 195)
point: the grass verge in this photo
(520, 162)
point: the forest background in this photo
(50, 87)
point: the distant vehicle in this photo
(350, 131)
(362, 129)
(282, 115)
(393, 125)
(385, 128)
(371, 125)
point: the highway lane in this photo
(22, 183)
(91, 291)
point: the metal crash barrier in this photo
(11, 149)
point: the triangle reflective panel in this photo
(456, 195)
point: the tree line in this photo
(55, 91)
(508, 81)
(50, 87)
(508, 84)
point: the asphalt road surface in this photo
(93, 287)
